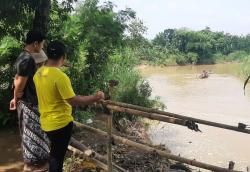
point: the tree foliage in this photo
(204, 43)
(98, 31)
(9, 48)
(16, 18)
(93, 33)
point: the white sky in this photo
(232, 16)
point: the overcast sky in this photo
(231, 16)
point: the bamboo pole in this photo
(76, 144)
(80, 153)
(150, 149)
(169, 114)
(109, 126)
(148, 115)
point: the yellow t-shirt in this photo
(53, 87)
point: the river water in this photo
(219, 98)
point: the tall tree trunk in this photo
(41, 20)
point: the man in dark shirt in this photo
(25, 69)
(35, 145)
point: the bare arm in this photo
(19, 83)
(85, 100)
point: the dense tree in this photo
(98, 31)
(135, 36)
(93, 33)
(16, 18)
(205, 43)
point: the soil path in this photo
(10, 151)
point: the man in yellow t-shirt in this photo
(55, 100)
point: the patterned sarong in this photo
(35, 144)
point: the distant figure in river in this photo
(204, 75)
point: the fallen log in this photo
(151, 150)
(177, 116)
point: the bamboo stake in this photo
(112, 84)
(231, 165)
(150, 149)
(109, 126)
(169, 114)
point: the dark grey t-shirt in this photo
(26, 67)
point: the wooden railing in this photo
(111, 106)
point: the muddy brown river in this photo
(219, 98)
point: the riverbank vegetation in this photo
(185, 46)
(98, 41)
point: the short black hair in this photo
(55, 50)
(33, 36)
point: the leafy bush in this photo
(236, 56)
(181, 59)
(83, 116)
(219, 57)
(9, 50)
(245, 67)
(132, 87)
(192, 57)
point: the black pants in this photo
(59, 142)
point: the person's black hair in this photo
(56, 50)
(33, 36)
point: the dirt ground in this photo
(10, 151)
